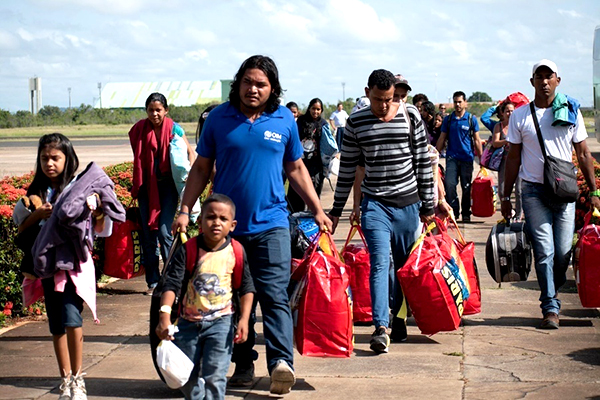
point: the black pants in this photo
(295, 202)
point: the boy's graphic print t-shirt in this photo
(209, 290)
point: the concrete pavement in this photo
(497, 354)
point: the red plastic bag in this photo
(466, 252)
(123, 251)
(434, 282)
(323, 327)
(518, 99)
(356, 257)
(483, 198)
(585, 264)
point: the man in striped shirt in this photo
(398, 191)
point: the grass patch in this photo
(79, 131)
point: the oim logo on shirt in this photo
(273, 136)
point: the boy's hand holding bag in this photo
(174, 365)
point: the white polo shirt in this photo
(339, 118)
(558, 139)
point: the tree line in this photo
(85, 114)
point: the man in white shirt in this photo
(338, 123)
(550, 223)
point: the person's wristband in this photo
(595, 193)
(506, 198)
(99, 217)
(184, 213)
(165, 309)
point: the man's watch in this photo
(595, 193)
(506, 198)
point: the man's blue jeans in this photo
(151, 238)
(550, 227)
(456, 169)
(269, 258)
(208, 344)
(339, 136)
(386, 226)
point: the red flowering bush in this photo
(11, 190)
(122, 176)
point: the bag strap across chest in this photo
(538, 130)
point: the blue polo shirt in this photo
(249, 160)
(459, 139)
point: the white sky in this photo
(439, 46)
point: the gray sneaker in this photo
(282, 378)
(380, 341)
(78, 391)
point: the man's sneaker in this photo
(380, 341)
(242, 376)
(282, 378)
(65, 388)
(550, 321)
(399, 333)
(78, 391)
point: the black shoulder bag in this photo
(560, 176)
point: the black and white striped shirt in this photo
(397, 169)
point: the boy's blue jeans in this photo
(208, 344)
(550, 228)
(386, 226)
(269, 258)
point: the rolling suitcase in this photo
(508, 253)
(483, 195)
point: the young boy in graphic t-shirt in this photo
(208, 301)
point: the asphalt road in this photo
(18, 157)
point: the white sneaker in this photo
(65, 388)
(78, 391)
(282, 378)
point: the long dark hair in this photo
(307, 126)
(41, 182)
(266, 65)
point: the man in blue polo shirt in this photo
(461, 130)
(250, 138)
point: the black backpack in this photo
(508, 253)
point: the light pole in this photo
(343, 91)
(100, 93)
(69, 89)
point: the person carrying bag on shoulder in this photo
(538, 140)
